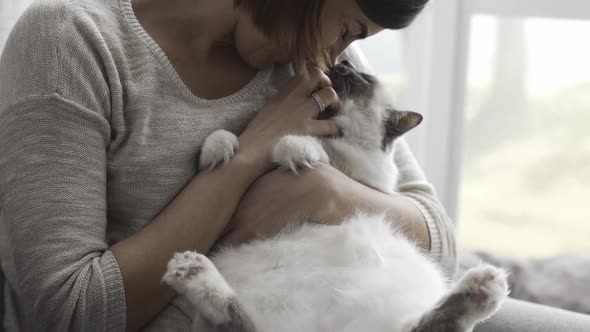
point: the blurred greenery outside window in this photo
(525, 189)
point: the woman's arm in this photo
(57, 85)
(53, 182)
(322, 194)
(193, 221)
(327, 195)
(414, 208)
(349, 195)
(413, 185)
(199, 214)
(53, 189)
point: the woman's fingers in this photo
(323, 128)
(323, 81)
(329, 98)
(317, 80)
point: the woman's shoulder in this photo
(55, 16)
(54, 25)
(58, 46)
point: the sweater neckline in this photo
(254, 85)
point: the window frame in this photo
(437, 55)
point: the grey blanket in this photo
(1, 299)
(562, 282)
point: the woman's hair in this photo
(280, 20)
(392, 14)
(294, 24)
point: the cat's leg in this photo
(196, 277)
(217, 149)
(297, 152)
(476, 297)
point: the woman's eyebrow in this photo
(364, 29)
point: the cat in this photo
(361, 275)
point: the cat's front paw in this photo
(486, 287)
(217, 149)
(298, 152)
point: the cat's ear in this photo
(408, 121)
(399, 123)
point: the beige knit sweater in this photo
(97, 135)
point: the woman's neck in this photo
(199, 25)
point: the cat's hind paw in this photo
(298, 152)
(217, 149)
(185, 267)
(196, 277)
(486, 287)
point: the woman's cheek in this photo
(332, 41)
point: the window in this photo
(505, 89)
(526, 166)
(385, 52)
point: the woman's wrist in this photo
(249, 164)
(321, 187)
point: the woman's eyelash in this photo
(345, 34)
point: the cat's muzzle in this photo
(347, 81)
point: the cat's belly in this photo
(332, 278)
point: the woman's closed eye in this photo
(347, 34)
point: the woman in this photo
(104, 105)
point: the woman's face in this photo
(342, 23)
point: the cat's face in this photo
(366, 114)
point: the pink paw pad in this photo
(486, 286)
(185, 266)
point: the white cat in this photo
(362, 275)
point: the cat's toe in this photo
(217, 149)
(486, 288)
(299, 152)
(184, 267)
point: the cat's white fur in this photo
(362, 275)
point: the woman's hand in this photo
(291, 111)
(280, 198)
(322, 195)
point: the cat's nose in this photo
(341, 72)
(343, 68)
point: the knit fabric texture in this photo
(97, 135)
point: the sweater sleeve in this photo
(414, 185)
(54, 137)
(53, 183)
